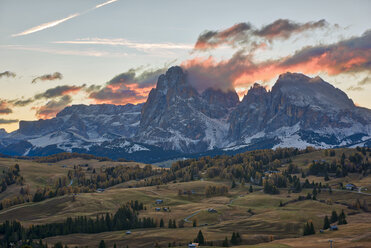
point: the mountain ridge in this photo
(178, 120)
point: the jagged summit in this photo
(255, 90)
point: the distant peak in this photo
(292, 76)
(256, 86)
(257, 89)
(316, 79)
(174, 72)
(174, 75)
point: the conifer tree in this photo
(309, 229)
(251, 189)
(225, 242)
(326, 223)
(233, 184)
(194, 222)
(200, 238)
(312, 231)
(334, 217)
(341, 219)
(102, 244)
(233, 239)
(238, 238)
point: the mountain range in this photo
(178, 121)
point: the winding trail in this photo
(186, 219)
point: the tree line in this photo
(126, 217)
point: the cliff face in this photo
(177, 117)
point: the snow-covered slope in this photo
(77, 127)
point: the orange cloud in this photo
(51, 108)
(347, 56)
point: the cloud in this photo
(59, 91)
(132, 86)
(52, 107)
(350, 55)
(7, 74)
(117, 96)
(347, 56)
(52, 93)
(20, 102)
(245, 34)
(355, 88)
(143, 79)
(46, 25)
(238, 33)
(364, 81)
(92, 88)
(89, 53)
(48, 77)
(284, 29)
(59, 21)
(6, 121)
(105, 3)
(4, 109)
(124, 42)
(359, 87)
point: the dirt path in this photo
(186, 219)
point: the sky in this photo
(57, 53)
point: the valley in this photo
(261, 218)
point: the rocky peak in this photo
(290, 76)
(255, 94)
(218, 97)
(174, 78)
(302, 90)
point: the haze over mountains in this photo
(177, 120)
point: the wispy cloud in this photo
(127, 43)
(59, 91)
(6, 121)
(4, 108)
(7, 74)
(105, 3)
(132, 86)
(48, 77)
(57, 22)
(51, 108)
(89, 53)
(245, 34)
(45, 25)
